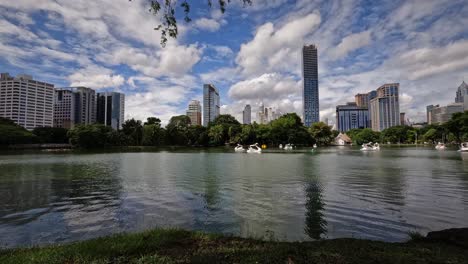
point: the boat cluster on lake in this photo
(255, 148)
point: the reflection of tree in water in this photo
(316, 225)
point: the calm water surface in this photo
(333, 192)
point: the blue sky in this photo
(251, 54)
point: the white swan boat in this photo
(254, 149)
(370, 147)
(239, 148)
(440, 146)
(288, 147)
(464, 147)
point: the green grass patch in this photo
(179, 246)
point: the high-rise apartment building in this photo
(211, 103)
(311, 85)
(73, 106)
(429, 113)
(442, 114)
(110, 109)
(247, 115)
(385, 107)
(28, 102)
(194, 113)
(351, 116)
(362, 100)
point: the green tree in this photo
(230, 126)
(11, 133)
(397, 134)
(153, 135)
(133, 129)
(197, 136)
(177, 130)
(51, 134)
(431, 135)
(365, 135)
(152, 121)
(216, 134)
(92, 136)
(321, 133)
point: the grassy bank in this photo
(177, 246)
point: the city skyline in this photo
(249, 53)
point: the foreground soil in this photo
(178, 246)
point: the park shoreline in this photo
(180, 246)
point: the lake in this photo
(288, 196)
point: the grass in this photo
(178, 246)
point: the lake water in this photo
(289, 196)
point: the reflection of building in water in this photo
(316, 225)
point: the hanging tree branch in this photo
(168, 26)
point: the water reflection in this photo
(46, 201)
(331, 193)
(315, 223)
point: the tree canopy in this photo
(169, 10)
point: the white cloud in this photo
(96, 78)
(275, 49)
(266, 86)
(351, 43)
(207, 24)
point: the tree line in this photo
(225, 129)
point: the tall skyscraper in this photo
(311, 86)
(194, 113)
(247, 115)
(211, 104)
(351, 116)
(111, 109)
(385, 107)
(74, 105)
(29, 103)
(462, 95)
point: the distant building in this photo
(247, 115)
(429, 113)
(385, 107)
(27, 102)
(74, 105)
(402, 119)
(194, 113)
(362, 100)
(311, 85)
(442, 114)
(370, 95)
(351, 116)
(462, 93)
(267, 114)
(211, 103)
(111, 109)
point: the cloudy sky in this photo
(251, 54)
